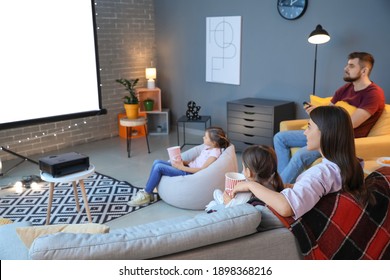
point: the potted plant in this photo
(148, 104)
(131, 100)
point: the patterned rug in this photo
(107, 199)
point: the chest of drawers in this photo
(252, 121)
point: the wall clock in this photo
(291, 9)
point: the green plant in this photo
(130, 87)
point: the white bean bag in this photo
(195, 191)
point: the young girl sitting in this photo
(214, 140)
(259, 164)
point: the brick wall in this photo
(126, 46)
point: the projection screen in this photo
(49, 61)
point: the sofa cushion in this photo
(28, 234)
(151, 240)
(323, 101)
(11, 247)
(319, 101)
(382, 126)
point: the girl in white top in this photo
(214, 141)
(330, 132)
(259, 165)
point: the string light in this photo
(18, 187)
(35, 186)
(44, 134)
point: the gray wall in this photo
(276, 59)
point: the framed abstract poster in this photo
(223, 49)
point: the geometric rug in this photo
(107, 199)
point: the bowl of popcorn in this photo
(384, 161)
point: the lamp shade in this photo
(150, 73)
(319, 36)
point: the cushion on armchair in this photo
(382, 126)
(324, 101)
(195, 191)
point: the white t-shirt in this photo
(311, 185)
(207, 152)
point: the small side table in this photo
(129, 124)
(184, 120)
(78, 176)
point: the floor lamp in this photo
(318, 36)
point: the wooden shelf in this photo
(151, 93)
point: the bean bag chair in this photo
(195, 191)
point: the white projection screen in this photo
(49, 62)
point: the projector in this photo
(64, 164)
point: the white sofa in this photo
(228, 234)
(195, 191)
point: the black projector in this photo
(64, 164)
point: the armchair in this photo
(376, 144)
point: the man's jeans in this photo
(289, 167)
(160, 168)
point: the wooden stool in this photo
(78, 176)
(129, 124)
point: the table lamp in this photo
(150, 74)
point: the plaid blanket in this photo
(339, 228)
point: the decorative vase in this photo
(131, 111)
(148, 104)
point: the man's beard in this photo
(351, 79)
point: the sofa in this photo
(241, 232)
(375, 145)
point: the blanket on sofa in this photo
(339, 228)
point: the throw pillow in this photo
(28, 234)
(382, 126)
(349, 108)
(11, 247)
(5, 221)
(319, 101)
(323, 101)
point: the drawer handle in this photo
(248, 135)
(247, 143)
(249, 113)
(247, 126)
(249, 106)
(249, 120)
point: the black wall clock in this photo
(291, 9)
